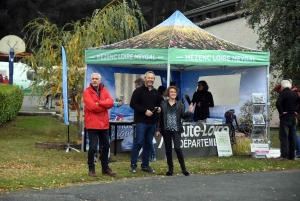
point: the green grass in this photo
(22, 166)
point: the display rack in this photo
(259, 148)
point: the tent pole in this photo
(168, 75)
(268, 107)
(181, 71)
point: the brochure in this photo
(258, 98)
(258, 119)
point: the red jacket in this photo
(277, 88)
(96, 116)
(6, 81)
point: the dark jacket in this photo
(287, 101)
(206, 100)
(180, 114)
(277, 88)
(142, 100)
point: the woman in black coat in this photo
(203, 100)
(170, 127)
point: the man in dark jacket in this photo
(145, 101)
(297, 140)
(286, 105)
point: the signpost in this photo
(11, 45)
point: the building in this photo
(226, 20)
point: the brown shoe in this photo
(109, 172)
(92, 174)
(281, 159)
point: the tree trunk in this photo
(155, 3)
(79, 119)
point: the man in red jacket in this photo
(97, 102)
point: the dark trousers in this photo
(94, 135)
(287, 136)
(168, 135)
(198, 117)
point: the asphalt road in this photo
(275, 185)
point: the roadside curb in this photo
(53, 114)
(31, 113)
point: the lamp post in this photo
(11, 65)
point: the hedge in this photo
(11, 99)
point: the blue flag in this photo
(65, 86)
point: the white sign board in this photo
(273, 153)
(223, 144)
(260, 149)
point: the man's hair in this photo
(140, 81)
(96, 74)
(286, 84)
(149, 72)
(161, 90)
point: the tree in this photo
(15, 14)
(117, 21)
(278, 24)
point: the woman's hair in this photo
(171, 87)
(204, 84)
(161, 90)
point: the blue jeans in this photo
(297, 140)
(143, 138)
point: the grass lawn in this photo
(22, 166)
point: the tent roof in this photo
(176, 41)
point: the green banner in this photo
(218, 58)
(176, 56)
(126, 56)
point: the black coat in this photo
(142, 100)
(206, 100)
(180, 114)
(287, 101)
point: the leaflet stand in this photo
(259, 148)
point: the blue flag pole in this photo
(65, 95)
(65, 86)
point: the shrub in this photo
(242, 147)
(11, 98)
